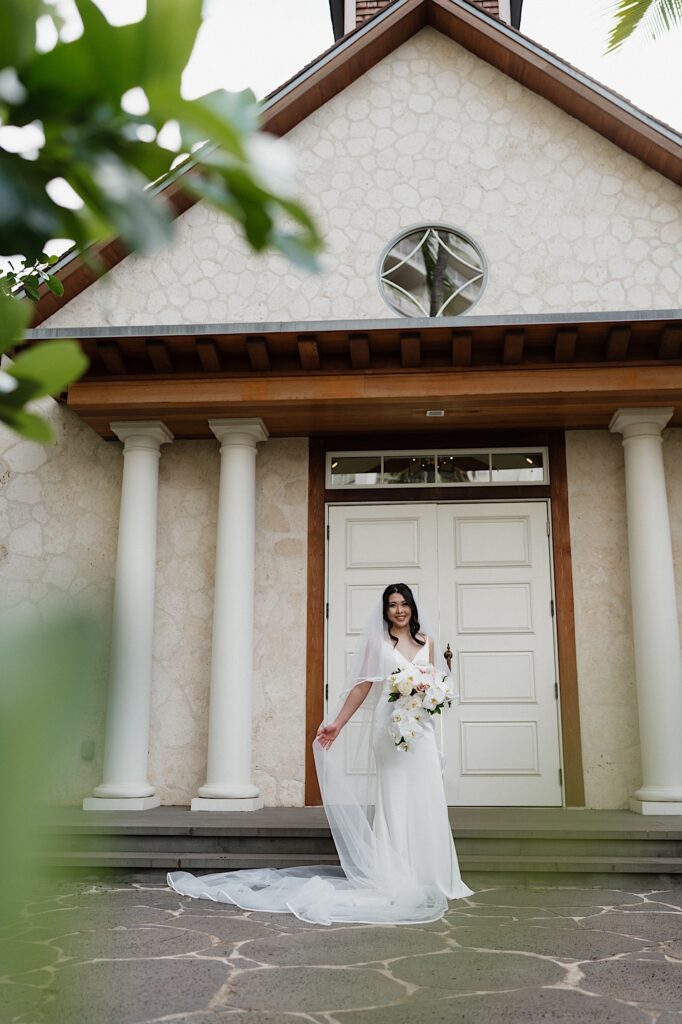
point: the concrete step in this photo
(188, 861)
(312, 846)
(193, 860)
(617, 865)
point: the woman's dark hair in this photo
(404, 590)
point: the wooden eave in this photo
(549, 371)
(536, 68)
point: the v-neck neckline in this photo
(410, 661)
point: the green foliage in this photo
(110, 158)
(653, 17)
(50, 671)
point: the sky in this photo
(261, 43)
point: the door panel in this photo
(370, 547)
(485, 569)
(502, 744)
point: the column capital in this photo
(141, 433)
(239, 431)
(640, 422)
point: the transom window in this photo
(451, 467)
(432, 270)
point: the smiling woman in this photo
(380, 776)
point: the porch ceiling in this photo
(564, 370)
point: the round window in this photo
(432, 270)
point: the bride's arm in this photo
(327, 734)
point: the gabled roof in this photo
(600, 108)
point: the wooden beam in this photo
(209, 356)
(257, 350)
(565, 624)
(669, 345)
(564, 345)
(618, 343)
(159, 356)
(310, 404)
(410, 349)
(462, 344)
(315, 613)
(308, 353)
(513, 347)
(111, 356)
(360, 354)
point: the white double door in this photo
(484, 571)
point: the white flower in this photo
(433, 697)
(405, 687)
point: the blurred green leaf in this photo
(49, 366)
(14, 318)
(110, 157)
(17, 30)
(26, 424)
(49, 670)
(55, 285)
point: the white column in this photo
(228, 780)
(124, 779)
(658, 662)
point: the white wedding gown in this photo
(404, 863)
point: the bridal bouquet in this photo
(417, 692)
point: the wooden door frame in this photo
(556, 491)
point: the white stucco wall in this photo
(567, 220)
(603, 620)
(58, 528)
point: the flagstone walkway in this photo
(134, 953)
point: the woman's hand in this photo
(326, 734)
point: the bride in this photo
(385, 803)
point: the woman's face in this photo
(398, 610)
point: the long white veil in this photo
(373, 884)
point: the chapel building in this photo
(479, 395)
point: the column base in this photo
(250, 803)
(656, 806)
(128, 803)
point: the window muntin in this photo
(432, 271)
(444, 467)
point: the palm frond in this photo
(653, 17)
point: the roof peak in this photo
(534, 67)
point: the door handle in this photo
(447, 654)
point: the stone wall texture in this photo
(566, 219)
(58, 525)
(58, 529)
(601, 580)
(188, 507)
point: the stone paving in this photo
(122, 952)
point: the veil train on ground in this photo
(374, 883)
